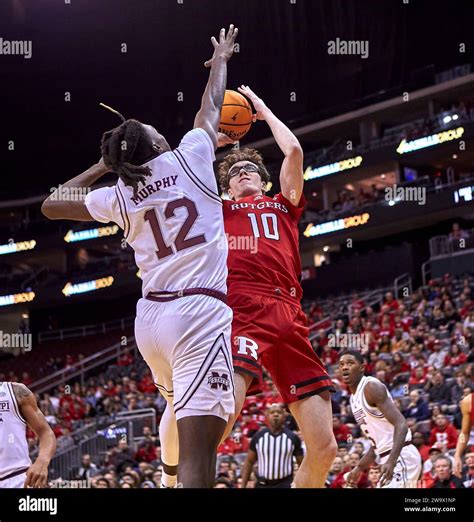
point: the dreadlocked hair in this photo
(125, 149)
(241, 155)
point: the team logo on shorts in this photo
(215, 381)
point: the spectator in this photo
(352, 461)
(391, 302)
(455, 356)
(457, 233)
(467, 474)
(438, 358)
(340, 430)
(444, 476)
(223, 483)
(444, 434)
(102, 483)
(88, 469)
(429, 475)
(373, 476)
(336, 468)
(438, 391)
(418, 441)
(417, 408)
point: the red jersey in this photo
(262, 234)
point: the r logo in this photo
(247, 347)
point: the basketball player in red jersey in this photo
(269, 327)
(467, 410)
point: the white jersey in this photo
(175, 223)
(371, 420)
(14, 454)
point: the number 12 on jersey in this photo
(269, 225)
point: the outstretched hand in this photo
(225, 47)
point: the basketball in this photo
(236, 115)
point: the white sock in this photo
(168, 481)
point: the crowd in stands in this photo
(420, 346)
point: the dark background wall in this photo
(283, 49)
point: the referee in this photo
(274, 448)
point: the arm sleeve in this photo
(103, 205)
(198, 143)
(295, 211)
(196, 156)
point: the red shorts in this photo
(273, 332)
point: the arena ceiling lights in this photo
(430, 141)
(11, 248)
(88, 286)
(326, 170)
(93, 233)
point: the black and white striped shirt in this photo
(275, 453)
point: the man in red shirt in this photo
(269, 327)
(340, 430)
(444, 434)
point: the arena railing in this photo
(442, 246)
(79, 369)
(66, 463)
(88, 329)
(126, 425)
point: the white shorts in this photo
(186, 344)
(407, 469)
(14, 482)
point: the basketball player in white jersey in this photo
(18, 409)
(168, 205)
(384, 426)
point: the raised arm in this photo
(209, 114)
(291, 173)
(37, 474)
(67, 201)
(376, 395)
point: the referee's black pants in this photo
(279, 483)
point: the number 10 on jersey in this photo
(268, 224)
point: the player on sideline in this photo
(18, 409)
(467, 410)
(171, 214)
(383, 424)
